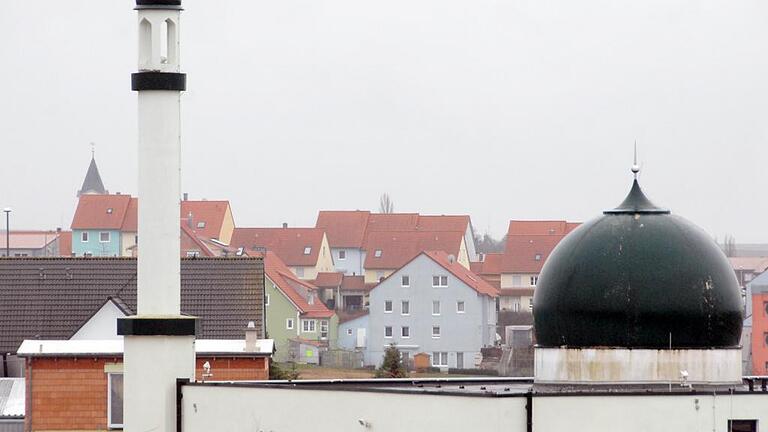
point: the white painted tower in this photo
(159, 341)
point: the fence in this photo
(341, 359)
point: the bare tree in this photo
(729, 245)
(385, 204)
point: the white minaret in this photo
(159, 342)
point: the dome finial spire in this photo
(93, 150)
(635, 166)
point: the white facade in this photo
(102, 325)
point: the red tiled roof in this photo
(211, 213)
(191, 242)
(287, 243)
(295, 289)
(522, 250)
(518, 227)
(29, 239)
(328, 279)
(472, 280)
(491, 265)
(392, 221)
(443, 223)
(93, 212)
(343, 228)
(399, 247)
(65, 243)
(349, 316)
(131, 222)
(355, 283)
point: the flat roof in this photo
(114, 347)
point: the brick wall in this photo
(759, 334)
(234, 368)
(67, 394)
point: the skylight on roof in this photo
(307, 250)
(537, 257)
(201, 224)
(110, 210)
(377, 253)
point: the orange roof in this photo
(328, 279)
(190, 242)
(443, 223)
(209, 214)
(30, 239)
(491, 265)
(398, 247)
(343, 228)
(753, 264)
(392, 221)
(131, 222)
(517, 227)
(101, 212)
(287, 243)
(65, 243)
(472, 280)
(297, 290)
(527, 253)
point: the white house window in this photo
(435, 332)
(308, 326)
(517, 280)
(405, 281)
(537, 257)
(311, 299)
(388, 331)
(84, 236)
(342, 254)
(405, 332)
(405, 307)
(534, 280)
(289, 324)
(460, 306)
(266, 299)
(439, 359)
(436, 307)
(104, 237)
(300, 272)
(439, 281)
(115, 400)
(307, 250)
(377, 253)
(387, 306)
(324, 329)
(201, 224)
(349, 332)
(193, 254)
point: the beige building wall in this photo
(373, 276)
(324, 258)
(518, 280)
(127, 241)
(463, 257)
(227, 227)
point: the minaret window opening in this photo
(164, 42)
(171, 42)
(145, 44)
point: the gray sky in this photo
(497, 109)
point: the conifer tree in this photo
(392, 366)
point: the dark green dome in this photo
(632, 277)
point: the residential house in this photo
(208, 219)
(529, 244)
(304, 250)
(353, 328)
(348, 230)
(77, 385)
(755, 333)
(387, 251)
(80, 298)
(435, 305)
(343, 292)
(297, 320)
(748, 268)
(489, 268)
(36, 243)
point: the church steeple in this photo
(92, 185)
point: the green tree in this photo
(392, 367)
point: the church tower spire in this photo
(92, 185)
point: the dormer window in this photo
(377, 253)
(537, 257)
(201, 224)
(110, 210)
(311, 299)
(307, 250)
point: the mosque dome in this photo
(637, 277)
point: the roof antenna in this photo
(635, 166)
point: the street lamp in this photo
(7, 211)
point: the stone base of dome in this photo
(637, 366)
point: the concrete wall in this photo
(94, 246)
(256, 409)
(352, 264)
(462, 333)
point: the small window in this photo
(405, 332)
(765, 338)
(104, 237)
(405, 281)
(87, 254)
(517, 280)
(201, 224)
(388, 306)
(405, 307)
(308, 326)
(537, 257)
(266, 299)
(439, 281)
(110, 210)
(193, 254)
(342, 254)
(435, 332)
(377, 253)
(436, 307)
(324, 329)
(84, 236)
(534, 280)
(439, 359)
(388, 331)
(460, 306)
(289, 323)
(307, 250)
(300, 272)
(742, 425)
(765, 307)
(136, 239)
(349, 332)
(444, 281)
(115, 400)
(311, 299)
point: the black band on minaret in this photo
(157, 326)
(158, 2)
(158, 81)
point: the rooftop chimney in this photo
(285, 224)
(186, 196)
(251, 337)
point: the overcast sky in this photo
(497, 109)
